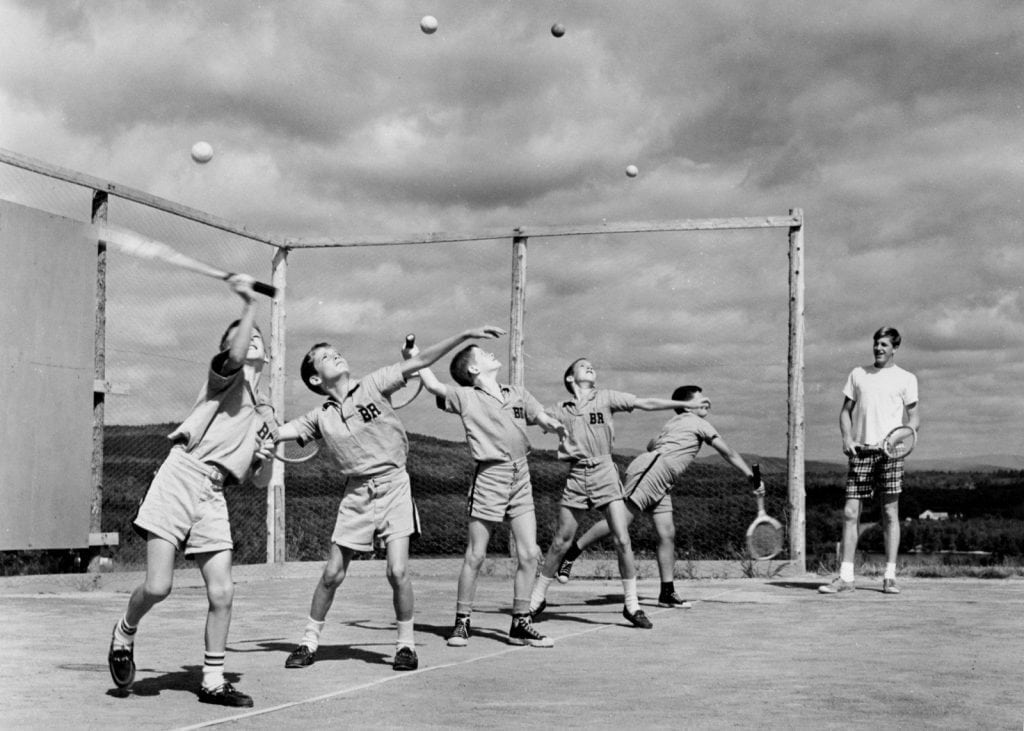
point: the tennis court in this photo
(765, 653)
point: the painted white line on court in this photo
(389, 679)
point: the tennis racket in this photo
(764, 536)
(410, 343)
(135, 244)
(897, 443)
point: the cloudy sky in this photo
(895, 127)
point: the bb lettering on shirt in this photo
(518, 412)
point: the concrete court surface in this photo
(751, 653)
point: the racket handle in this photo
(265, 289)
(756, 479)
(410, 340)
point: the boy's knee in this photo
(221, 595)
(397, 574)
(157, 591)
(331, 579)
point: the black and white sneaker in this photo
(225, 695)
(121, 661)
(460, 633)
(405, 659)
(523, 632)
(564, 571)
(300, 657)
(673, 600)
(637, 618)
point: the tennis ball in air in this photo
(558, 30)
(428, 24)
(202, 152)
(632, 171)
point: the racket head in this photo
(764, 538)
(899, 442)
(292, 452)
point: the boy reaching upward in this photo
(593, 480)
(361, 429)
(219, 444)
(650, 478)
(495, 417)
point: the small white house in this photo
(933, 515)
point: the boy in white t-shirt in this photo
(876, 399)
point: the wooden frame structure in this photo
(519, 236)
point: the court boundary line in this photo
(399, 676)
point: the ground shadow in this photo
(188, 679)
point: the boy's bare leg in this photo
(524, 528)
(476, 551)
(665, 527)
(564, 533)
(160, 555)
(398, 577)
(330, 581)
(851, 529)
(220, 592)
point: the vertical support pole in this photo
(796, 426)
(276, 534)
(517, 317)
(99, 216)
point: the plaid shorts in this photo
(873, 471)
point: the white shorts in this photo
(185, 505)
(500, 491)
(376, 507)
(649, 482)
(592, 483)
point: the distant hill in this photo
(984, 463)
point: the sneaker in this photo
(838, 586)
(637, 618)
(523, 632)
(225, 695)
(564, 571)
(534, 613)
(673, 600)
(460, 633)
(405, 659)
(889, 586)
(300, 657)
(121, 661)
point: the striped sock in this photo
(213, 670)
(124, 634)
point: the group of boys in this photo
(227, 436)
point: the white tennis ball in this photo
(632, 171)
(202, 152)
(428, 24)
(558, 30)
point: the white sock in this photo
(213, 670)
(629, 589)
(405, 635)
(540, 590)
(124, 634)
(890, 571)
(846, 571)
(311, 636)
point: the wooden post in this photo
(517, 317)
(795, 452)
(276, 534)
(99, 216)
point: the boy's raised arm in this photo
(662, 404)
(432, 384)
(733, 457)
(241, 284)
(428, 356)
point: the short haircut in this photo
(308, 369)
(459, 369)
(224, 338)
(889, 332)
(568, 372)
(685, 393)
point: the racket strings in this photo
(765, 540)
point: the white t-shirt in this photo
(880, 396)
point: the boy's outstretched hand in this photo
(241, 284)
(487, 332)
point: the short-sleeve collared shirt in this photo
(223, 427)
(362, 432)
(495, 428)
(590, 431)
(681, 438)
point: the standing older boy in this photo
(495, 417)
(360, 427)
(876, 399)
